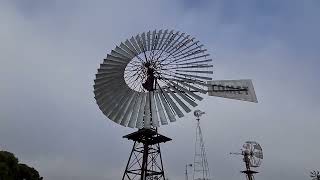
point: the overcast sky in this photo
(50, 51)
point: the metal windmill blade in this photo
(152, 78)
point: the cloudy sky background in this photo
(50, 50)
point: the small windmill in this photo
(315, 175)
(200, 164)
(252, 157)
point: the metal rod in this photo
(144, 168)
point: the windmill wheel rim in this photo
(177, 65)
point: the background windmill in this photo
(200, 163)
(315, 175)
(252, 157)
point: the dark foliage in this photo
(10, 169)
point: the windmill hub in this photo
(198, 113)
(149, 83)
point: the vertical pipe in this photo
(248, 172)
(195, 149)
(144, 169)
(161, 161)
(186, 172)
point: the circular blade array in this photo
(254, 150)
(151, 78)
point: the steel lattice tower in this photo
(145, 161)
(200, 164)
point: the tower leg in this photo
(125, 173)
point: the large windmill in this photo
(151, 79)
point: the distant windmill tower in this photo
(252, 156)
(200, 165)
(315, 175)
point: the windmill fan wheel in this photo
(151, 78)
(254, 152)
